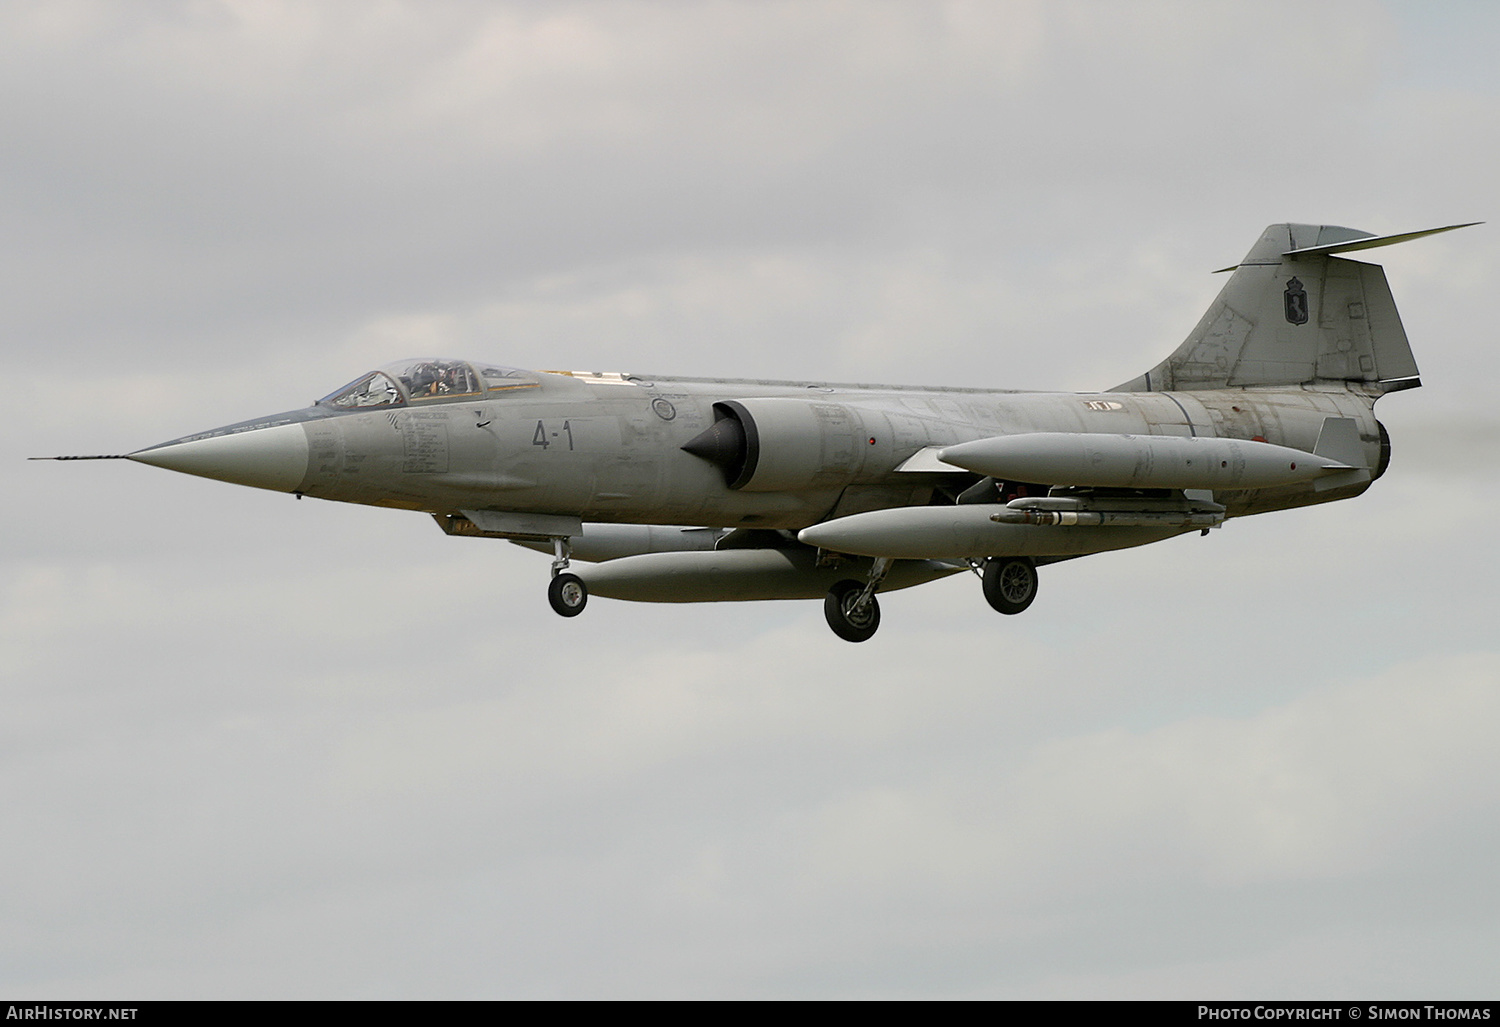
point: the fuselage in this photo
(609, 448)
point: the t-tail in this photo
(1293, 313)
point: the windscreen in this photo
(426, 380)
(373, 390)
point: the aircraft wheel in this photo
(849, 622)
(1009, 583)
(567, 593)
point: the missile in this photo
(1131, 512)
(1139, 461)
(961, 532)
(1120, 518)
(741, 574)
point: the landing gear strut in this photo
(566, 592)
(1009, 583)
(851, 608)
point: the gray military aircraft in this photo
(700, 490)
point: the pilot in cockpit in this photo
(427, 380)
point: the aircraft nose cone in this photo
(265, 458)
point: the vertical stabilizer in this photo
(1291, 313)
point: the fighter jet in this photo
(683, 490)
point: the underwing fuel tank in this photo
(732, 575)
(1139, 461)
(959, 532)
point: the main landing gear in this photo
(566, 592)
(853, 613)
(1009, 583)
(851, 608)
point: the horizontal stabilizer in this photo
(1345, 240)
(1373, 241)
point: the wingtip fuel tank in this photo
(1139, 461)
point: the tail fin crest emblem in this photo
(1295, 299)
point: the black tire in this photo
(846, 622)
(1009, 583)
(568, 594)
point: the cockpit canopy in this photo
(425, 381)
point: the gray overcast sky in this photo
(257, 748)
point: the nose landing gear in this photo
(566, 592)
